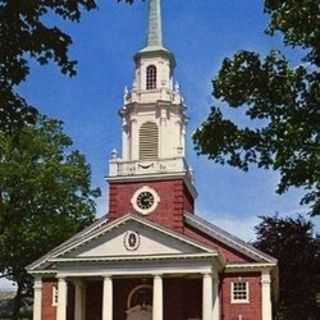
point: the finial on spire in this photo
(154, 36)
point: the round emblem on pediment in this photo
(132, 240)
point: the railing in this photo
(129, 168)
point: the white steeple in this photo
(153, 113)
(154, 35)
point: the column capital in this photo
(266, 281)
(157, 275)
(207, 274)
(37, 284)
(79, 283)
(266, 277)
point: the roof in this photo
(227, 238)
(101, 226)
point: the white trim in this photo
(193, 256)
(37, 301)
(240, 301)
(248, 267)
(73, 239)
(155, 204)
(135, 269)
(155, 177)
(266, 295)
(139, 219)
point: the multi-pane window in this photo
(240, 292)
(148, 141)
(151, 77)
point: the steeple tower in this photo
(153, 120)
(154, 35)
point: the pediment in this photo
(134, 237)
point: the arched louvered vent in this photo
(151, 77)
(149, 141)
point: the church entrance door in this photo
(140, 313)
(140, 303)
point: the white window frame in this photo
(240, 301)
(54, 295)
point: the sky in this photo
(201, 33)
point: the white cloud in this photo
(242, 227)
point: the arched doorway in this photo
(139, 305)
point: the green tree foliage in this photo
(45, 194)
(25, 36)
(297, 248)
(281, 101)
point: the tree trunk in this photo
(17, 303)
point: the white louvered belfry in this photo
(149, 141)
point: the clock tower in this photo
(152, 177)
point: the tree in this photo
(282, 102)
(24, 35)
(297, 248)
(46, 197)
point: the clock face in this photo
(145, 200)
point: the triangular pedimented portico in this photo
(129, 247)
(129, 239)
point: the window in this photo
(240, 292)
(151, 77)
(148, 141)
(54, 296)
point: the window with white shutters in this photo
(149, 141)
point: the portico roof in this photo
(103, 242)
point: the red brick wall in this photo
(174, 195)
(250, 311)
(229, 254)
(48, 311)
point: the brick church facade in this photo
(152, 257)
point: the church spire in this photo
(154, 35)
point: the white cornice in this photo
(249, 267)
(199, 256)
(156, 177)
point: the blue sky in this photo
(200, 33)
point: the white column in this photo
(62, 299)
(37, 298)
(207, 302)
(80, 300)
(157, 307)
(107, 300)
(216, 298)
(266, 295)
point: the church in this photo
(152, 257)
